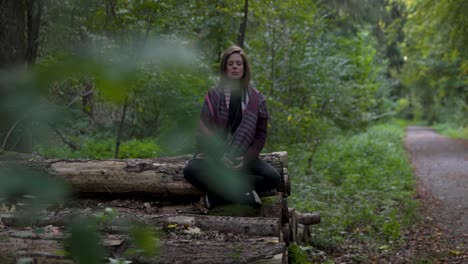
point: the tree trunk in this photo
(12, 37)
(243, 25)
(33, 18)
(119, 135)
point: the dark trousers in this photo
(213, 177)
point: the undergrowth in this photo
(452, 130)
(104, 149)
(362, 185)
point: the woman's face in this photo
(235, 67)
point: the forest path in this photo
(441, 168)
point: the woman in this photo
(232, 132)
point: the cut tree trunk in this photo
(158, 177)
(244, 226)
(292, 225)
(46, 247)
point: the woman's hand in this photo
(240, 163)
(227, 162)
(237, 163)
(200, 156)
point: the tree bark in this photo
(12, 33)
(258, 250)
(292, 225)
(243, 226)
(19, 32)
(33, 18)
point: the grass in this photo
(363, 187)
(451, 130)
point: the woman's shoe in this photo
(209, 203)
(252, 198)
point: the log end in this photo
(308, 218)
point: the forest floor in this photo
(441, 168)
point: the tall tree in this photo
(12, 28)
(33, 21)
(19, 31)
(243, 25)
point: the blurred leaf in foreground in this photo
(30, 189)
(83, 242)
(145, 241)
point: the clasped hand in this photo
(235, 163)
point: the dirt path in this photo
(441, 167)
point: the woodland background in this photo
(122, 79)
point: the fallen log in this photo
(308, 218)
(121, 222)
(159, 177)
(47, 248)
(304, 221)
(292, 225)
(260, 250)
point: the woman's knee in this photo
(191, 171)
(270, 177)
(275, 178)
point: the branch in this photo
(119, 135)
(11, 130)
(63, 137)
(80, 96)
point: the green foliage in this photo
(327, 81)
(297, 255)
(145, 241)
(104, 149)
(435, 72)
(160, 58)
(33, 189)
(83, 242)
(452, 130)
(362, 184)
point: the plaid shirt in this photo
(249, 138)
